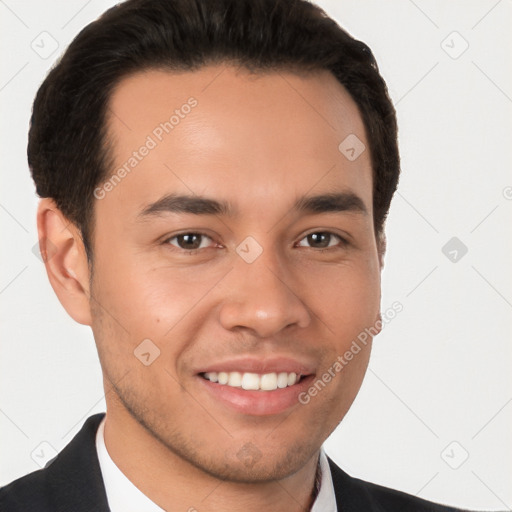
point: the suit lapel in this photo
(73, 478)
(351, 494)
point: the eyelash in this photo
(189, 252)
(342, 241)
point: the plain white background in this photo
(434, 415)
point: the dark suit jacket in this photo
(72, 482)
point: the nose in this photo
(262, 299)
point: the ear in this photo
(378, 323)
(63, 254)
(381, 248)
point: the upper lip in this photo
(260, 365)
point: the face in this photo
(235, 261)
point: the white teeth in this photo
(282, 380)
(254, 381)
(212, 376)
(251, 381)
(235, 379)
(268, 382)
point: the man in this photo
(215, 177)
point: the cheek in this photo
(346, 297)
(146, 301)
(137, 301)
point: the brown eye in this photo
(190, 241)
(321, 240)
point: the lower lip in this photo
(257, 403)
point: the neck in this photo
(175, 484)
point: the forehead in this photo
(223, 131)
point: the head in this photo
(216, 176)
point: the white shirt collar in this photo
(124, 496)
(326, 499)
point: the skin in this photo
(257, 141)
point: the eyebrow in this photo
(336, 202)
(196, 205)
(199, 205)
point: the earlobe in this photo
(378, 323)
(381, 248)
(64, 257)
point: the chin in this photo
(268, 468)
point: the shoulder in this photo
(70, 481)
(27, 493)
(353, 494)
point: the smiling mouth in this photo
(254, 381)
